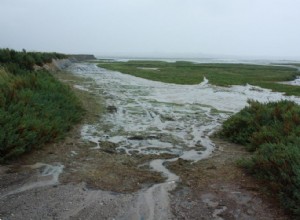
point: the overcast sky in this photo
(170, 28)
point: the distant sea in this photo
(208, 60)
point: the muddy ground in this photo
(104, 184)
(216, 188)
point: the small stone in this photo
(112, 109)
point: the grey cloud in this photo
(153, 27)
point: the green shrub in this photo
(272, 131)
(35, 109)
(280, 165)
(263, 123)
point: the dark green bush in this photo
(263, 123)
(272, 131)
(35, 108)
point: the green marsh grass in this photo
(217, 74)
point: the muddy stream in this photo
(147, 117)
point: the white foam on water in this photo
(80, 87)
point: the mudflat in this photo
(144, 151)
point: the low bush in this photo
(35, 108)
(272, 132)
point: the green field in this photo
(217, 74)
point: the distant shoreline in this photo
(205, 60)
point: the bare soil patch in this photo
(216, 188)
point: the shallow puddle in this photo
(46, 175)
